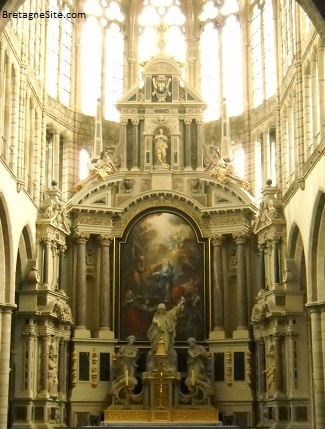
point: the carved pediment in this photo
(161, 83)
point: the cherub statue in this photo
(223, 171)
(103, 168)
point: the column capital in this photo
(187, 121)
(105, 239)
(124, 121)
(240, 237)
(218, 240)
(81, 237)
(62, 248)
(44, 240)
(135, 121)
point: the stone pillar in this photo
(307, 113)
(21, 119)
(56, 158)
(278, 365)
(80, 284)
(44, 365)
(266, 156)
(242, 323)
(37, 160)
(14, 115)
(5, 337)
(188, 144)
(321, 86)
(262, 267)
(318, 364)
(62, 372)
(122, 144)
(105, 283)
(218, 285)
(133, 77)
(135, 146)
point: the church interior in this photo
(162, 213)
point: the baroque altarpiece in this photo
(170, 221)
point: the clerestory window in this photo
(221, 57)
(102, 57)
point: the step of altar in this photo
(169, 425)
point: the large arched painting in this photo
(161, 261)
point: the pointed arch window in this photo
(58, 77)
(288, 33)
(102, 57)
(263, 51)
(161, 26)
(221, 58)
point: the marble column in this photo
(278, 364)
(242, 323)
(46, 250)
(61, 262)
(188, 144)
(218, 285)
(62, 372)
(122, 144)
(276, 262)
(135, 146)
(261, 367)
(81, 240)
(262, 268)
(200, 144)
(105, 282)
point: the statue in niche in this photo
(271, 374)
(125, 364)
(198, 363)
(163, 330)
(52, 373)
(223, 171)
(103, 168)
(161, 146)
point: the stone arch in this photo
(317, 249)
(6, 252)
(24, 255)
(296, 262)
